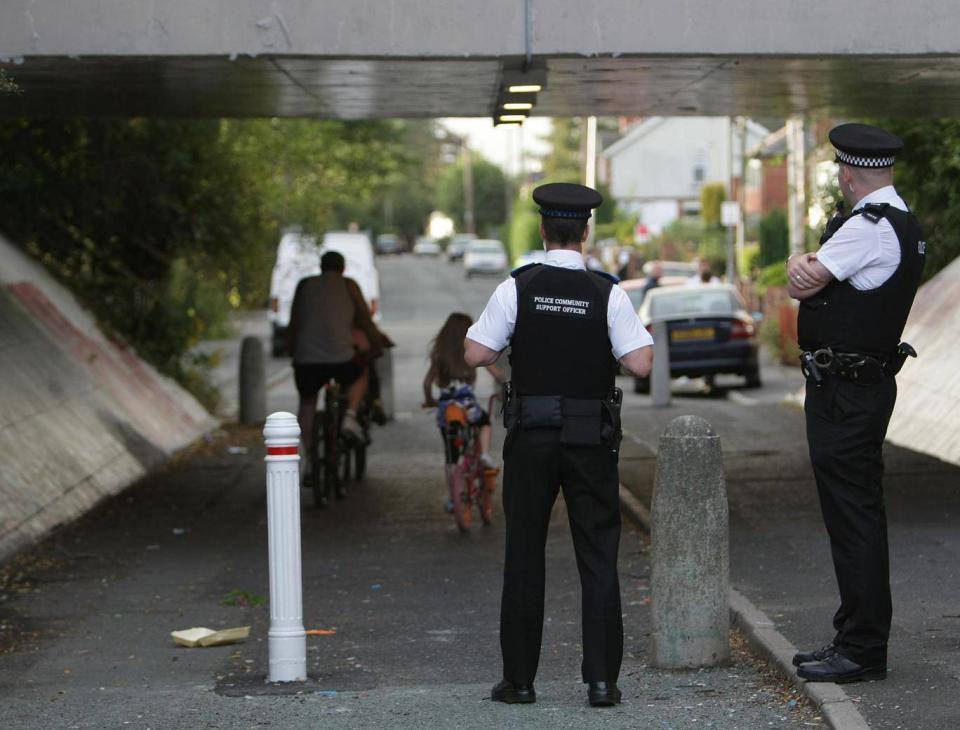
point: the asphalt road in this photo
(85, 617)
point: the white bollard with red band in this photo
(286, 638)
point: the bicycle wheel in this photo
(488, 487)
(360, 462)
(331, 450)
(460, 497)
(344, 457)
(316, 476)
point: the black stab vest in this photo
(867, 322)
(560, 344)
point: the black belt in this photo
(853, 366)
(582, 421)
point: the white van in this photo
(357, 251)
(297, 257)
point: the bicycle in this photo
(470, 483)
(342, 455)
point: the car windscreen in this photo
(485, 248)
(698, 300)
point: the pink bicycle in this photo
(471, 484)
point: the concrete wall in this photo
(927, 415)
(81, 417)
(459, 28)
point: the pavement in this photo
(85, 616)
(779, 550)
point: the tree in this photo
(489, 194)
(774, 238)
(927, 175)
(712, 196)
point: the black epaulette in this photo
(874, 212)
(516, 272)
(605, 275)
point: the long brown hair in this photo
(446, 351)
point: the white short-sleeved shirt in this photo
(495, 326)
(864, 253)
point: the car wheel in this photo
(753, 378)
(641, 385)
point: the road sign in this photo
(730, 213)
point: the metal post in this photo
(660, 375)
(796, 192)
(287, 640)
(252, 381)
(469, 222)
(590, 173)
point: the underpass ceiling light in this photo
(512, 117)
(524, 88)
(518, 106)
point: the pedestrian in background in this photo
(567, 328)
(855, 295)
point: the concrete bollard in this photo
(660, 375)
(253, 381)
(690, 577)
(287, 640)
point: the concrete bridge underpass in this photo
(430, 58)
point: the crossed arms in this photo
(807, 276)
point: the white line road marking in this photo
(639, 441)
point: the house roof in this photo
(638, 131)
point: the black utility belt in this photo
(853, 366)
(581, 421)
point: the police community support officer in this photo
(567, 328)
(856, 292)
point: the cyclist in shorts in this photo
(455, 379)
(327, 311)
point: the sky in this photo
(501, 145)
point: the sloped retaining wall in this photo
(81, 417)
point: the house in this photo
(657, 168)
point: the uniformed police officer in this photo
(567, 328)
(855, 294)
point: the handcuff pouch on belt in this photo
(582, 421)
(852, 366)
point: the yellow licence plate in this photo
(696, 333)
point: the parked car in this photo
(485, 256)
(388, 243)
(458, 246)
(709, 332)
(357, 250)
(537, 256)
(426, 247)
(297, 257)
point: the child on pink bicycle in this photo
(455, 379)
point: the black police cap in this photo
(862, 145)
(566, 200)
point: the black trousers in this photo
(536, 466)
(846, 427)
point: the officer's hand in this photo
(801, 272)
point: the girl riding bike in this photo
(455, 379)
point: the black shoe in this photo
(603, 694)
(513, 694)
(817, 655)
(837, 668)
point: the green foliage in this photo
(688, 238)
(564, 162)
(8, 85)
(489, 194)
(243, 599)
(712, 196)
(927, 175)
(161, 226)
(524, 231)
(774, 238)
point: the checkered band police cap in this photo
(863, 145)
